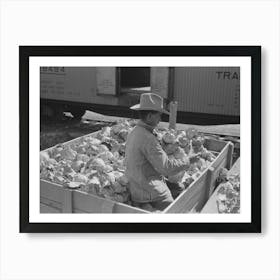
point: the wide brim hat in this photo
(150, 102)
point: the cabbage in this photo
(123, 134)
(123, 180)
(102, 148)
(77, 165)
(183, 141)
(170, 148)
(118, 188)
(83, 158)
(191, 132)
(106, 156)
(111, 177)
(169, 138)
(94, 185)
(44, 156)
(228, 197)
(80, 178)
(74, 185)
(179, 154)
(97, 164)
(68, 153)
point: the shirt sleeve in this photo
(160, 161)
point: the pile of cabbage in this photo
(181, 144)
(228, 195)
(95, 164)
(91, 164)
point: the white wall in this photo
(138, 256)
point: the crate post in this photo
(173, 114)
(209, 183)
(229, 155)
(107, 206)
(67, 201)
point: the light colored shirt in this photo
(147, 164)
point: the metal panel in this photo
(160, 80)
(76, 84)
(106, 80)
(211, 90)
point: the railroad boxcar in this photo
(205, 95)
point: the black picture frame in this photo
(254, 52)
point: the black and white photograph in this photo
(125, 159)
(139, 140)
(123, 135)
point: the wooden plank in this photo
(87, 202)
(194, 194)
(229, 155)
(51, 191)
(123, 208)
(55, 196)
(213, 170)
(78, 211)
(48, 209)
(94, 204)
(211, 205)
(214, 145)
(214, 175)
(67, 201)
(107, 207)
(51, 203)
(235, 169)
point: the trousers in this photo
(165, 201)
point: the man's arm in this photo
(160, 161)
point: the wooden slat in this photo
(51, 203)
(235, 168)
(214, 145)
(78, 211)
(108, 206)
(220, 162)
(126, 209)
(211, 205)
(194, 194)
(94, 204)
(229, 155)
(48, 209)
(87, 202)
(67, 201)
(51, 191)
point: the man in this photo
(146, 162)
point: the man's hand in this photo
(194, 158)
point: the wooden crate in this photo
(197, 194)
(55, 198)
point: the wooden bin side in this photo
(89, 203)
(196, 195)
(223, 160)
(56, 199)
(192, 199)
(51, 195)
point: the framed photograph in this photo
(155, 139)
